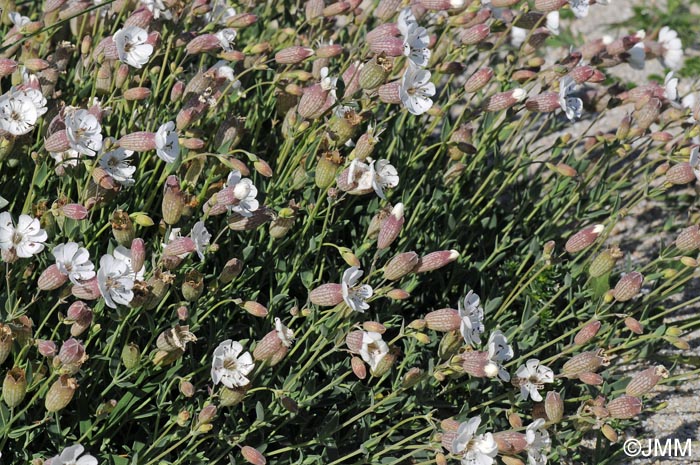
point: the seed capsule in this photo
(554, 406)
(443, 320)
(624, 407)
(628, 286)
(587, 333)
(14, 387)
(60, 393)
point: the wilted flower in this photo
(285, 334)
(74, 262)
(84, 132)
(123, 254)
(117, 164)
(572, 106)
(383, 175)
(229, 367)
(167, 144)
(374, 349)
(415, 38)
(27, 238)
(226, 38)
(474, 449)
(115, 280)
(416, 89)
(132, 46)
(672, 48)
(72, 456)
(355, 296)
(499, 351)
(201, 238)
(538, 442)
(245, 192)
(531, 376)
(472, 315)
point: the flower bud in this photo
(443, 320)
(510, 442)
(587, 333)
(688, 239)
(358, 367)
(554, 407)
(337, 8)
(385, 363)
(255, 308)
(386, 9)
(549, 5)
(131, 355)
(293, 55)
(634, 325)
(391, 227)
(231, 270)
(643, 382)
(681, 173)
(253, 456)
(583, 238)
(137, 93)
(475, 34)
(7, 67)
(88, 290)
(398, 294)
(51, 279)
(173, 200)
(186, 388)
(314, 102)
(74, 211)
(585, 362)
(72, 352)
(436, 260)
(230, 397)
(592, 379)
(47, 348)
(609, 433)
(60, 393)
(411, 378)
(504, 100)
(628, 286)
(400, 266)
(624, 407)
(604, 262)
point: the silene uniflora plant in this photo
(338, 232)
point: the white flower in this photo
(123, 254)
(132, 46)
(571, 106)
(167, 145)
(499, 351)
(18, 114)
(201, 238)
(637, 56)
(672, 48)
(26, 239)
(415, 38)
(19, 20)
(538, 442)
(518, 36)
(115, 281)
(219, 12)
(228, 368)
(329, 83)
(74, 262)
(472, 315)
(354, 295)
(117, 164)
(226, 38)
(383, 175)
(285, 334)
(553, 22)
(84, 132)
(245, 191)
(72, 456)
(374, 349)
(579, 7)
(158, 8)
(670, 87)
(475, 449)
(68, 158)
(694, 161)
(416, 89)
(531, 377)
